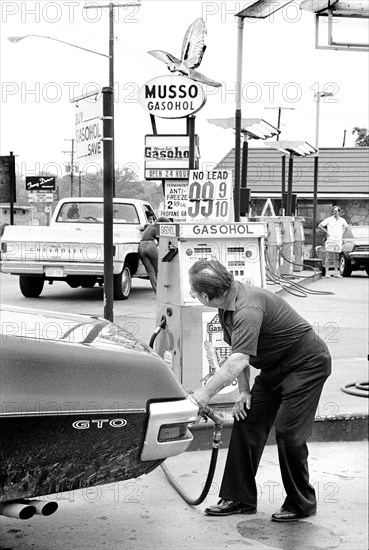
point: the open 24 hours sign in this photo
(210, 196)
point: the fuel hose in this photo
(360, 389)
(218, 420)
(290, 286)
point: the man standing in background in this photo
(333, 227)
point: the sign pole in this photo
(108, 180)
(191, 133)
(283, 187)
(289, 186)
(238, 118)
(315, 205)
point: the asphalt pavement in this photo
(147, 513)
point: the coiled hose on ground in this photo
(292, 286)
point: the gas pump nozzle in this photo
(216, 417)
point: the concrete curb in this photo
(337, 428)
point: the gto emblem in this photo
(85, 424)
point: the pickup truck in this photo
(71, 247)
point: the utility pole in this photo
(111, 6)
(71, 153)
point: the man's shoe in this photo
(229, 507)
(284, 515)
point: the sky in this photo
(281, 68)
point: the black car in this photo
(355, 250)
(84, 403)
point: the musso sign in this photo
(172, 96)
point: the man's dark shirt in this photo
(260, 324)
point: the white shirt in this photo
(335, 228)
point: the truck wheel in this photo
(31, 287)
(345, 266)
(123, 284)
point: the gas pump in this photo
(191, 341)
(273, 242)
(287, 251)
(298, 248)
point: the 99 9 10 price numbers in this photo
(209, 199)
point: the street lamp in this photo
(260, 9)
(16, 39)
(317, 97)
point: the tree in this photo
(362, 139)
(127, 185)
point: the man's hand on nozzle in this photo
(202, 399)
(242, 403)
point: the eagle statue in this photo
(193, 49)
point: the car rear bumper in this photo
(37, 268)
(359, 256)
(167, 413)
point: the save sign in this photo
(89, 128)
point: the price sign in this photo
(209, 196)
(176, 197)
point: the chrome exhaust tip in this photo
(17, 510)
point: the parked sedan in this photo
(355, 250)
(84, 402)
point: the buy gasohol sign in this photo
(172, 96)
(89, 128)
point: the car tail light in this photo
(173, 432)
(167, 432)
(4, 247)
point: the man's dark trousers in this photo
(289, 395)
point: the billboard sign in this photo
(40, 183)
(7, 179)
(89, 128)
(168, 156)
(172, 96)
(40, 197)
